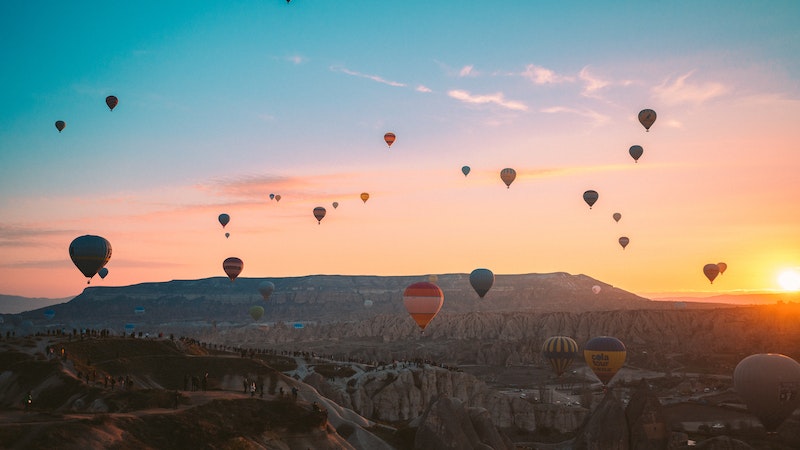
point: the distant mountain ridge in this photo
(14, 304)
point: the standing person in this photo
(294, 393)
(253, 389)
(28, 400)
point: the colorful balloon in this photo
(465, 170)
(232, 267)
(256, 312)
(423, 300)
(508, 175)
(481, 280)
(103, 272)
(265, 288)
(389, 138)
(60, 124)
(711, 271)
(624, 241)
(636, 152)
(364, 197)
(647, 117)
(319, 214)
(769, 384)
(722, 267)
(616, 217)
(89, 254)
(560, 351)
(111, 101)
(590, 197)
(605, 355)
(224, 219)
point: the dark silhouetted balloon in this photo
(224, 219)
(624, 241)
(711, 271)
(265, 288)
(227, 235)
(560, 351)
(481, 280)
(232, 267)
(277, 197)
(636, 152)
(465, 170)
(769, 384)
(364, 197)
(616, 217)
(256, 312)
(647, 117)
(335, 205)
(423, 300)
(111, 101)
(103, 272)
(60, 124)
(90, 254)
(605, 355)
(319, 214)
(389, 138)
(272, 196)
(508, 175)
(590, 197)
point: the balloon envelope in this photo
(60, 124)
(605, 355)
(335, 205)
(232, 267)
(256, 312)
(103, 272)
(590, 197)
(481, 280)
(319, 214)
(722, 267)
(423, 300)
(623, 241)
(636, 152)
(265, 288)
(277, 197)
(49, 314)
(560, 351)
(711, 271)
(364, 197)
(647, 117)
(596, 289)
(769, 384)
(389, 138)
(224, 219)
(616, 217)
(272, 196)
(89, 254)
(465, 170)
(508, 175)
(111, 101)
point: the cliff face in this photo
(450, 424)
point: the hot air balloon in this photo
(272, 196)
(138, 310)
(103, 272)
(711, 271)
(481, 280)
(277, 197)
(364, 197)
(368, 303)
(319, 214)
(623, 241)
(560, 351)
(389, 138)
(232, 267)
(224, 219)
(465, 170)
(646, 118)
(265, 288)
(596, 289)
(256, 312)
(722, 267)
(605, 355)
(769, 384)
(49, 314)
(433, 278)
(423, 300)
(508, 175)
(636, 152)
(590, 197)
(60, 124)
(335, 205)
(227, 235)
(111, 101)
(90, 254)
(616, 217)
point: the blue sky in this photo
(222, 103)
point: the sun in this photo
(789, 279)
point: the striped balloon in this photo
(605, 355)
(232, 267)
(423, 301)
(560, 351)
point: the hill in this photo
(13, 304)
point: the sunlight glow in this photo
(789, 280)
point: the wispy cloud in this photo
(296, 59)
(422, 88)
(375, 78)
(11, 236)
(595, 116)
(592, 83)
(467, 71)
(542, 75)
(682, 90)
(497, 99)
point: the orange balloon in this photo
(423, 300)
(364, 197)
(389, 138)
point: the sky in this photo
(224, 103)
